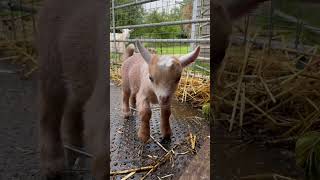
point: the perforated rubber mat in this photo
(128, 152)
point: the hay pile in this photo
(115, 74)
(269, 93)
(193, 88)
(21, 53)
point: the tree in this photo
(129, 15)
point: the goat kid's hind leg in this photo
(51, 112)
(165, 122)
(125, 104)
(144, 115)
(133, 101)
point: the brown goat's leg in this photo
(145, 115)
(96, 129)
(125, 104)
(165, 124)
(100, 157)
(74, 128)
(51, 148)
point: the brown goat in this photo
(72, 48)
(225, 12)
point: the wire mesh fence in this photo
(282, 24)
(262, 82)
(165, 28)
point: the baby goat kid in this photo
(149, 78)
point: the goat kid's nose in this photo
(164, 99)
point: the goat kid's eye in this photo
(151, 79)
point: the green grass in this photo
(173, 49)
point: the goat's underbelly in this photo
(154, 99)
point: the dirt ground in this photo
(18, 126)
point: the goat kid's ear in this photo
(189, 58)
(144, 52)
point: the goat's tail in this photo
(128, 52)
(238, 8)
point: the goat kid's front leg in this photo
(145, 115)
(125, 104)
(165, 124)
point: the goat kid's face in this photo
(165, 72)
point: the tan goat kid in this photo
(148, 78)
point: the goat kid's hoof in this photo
(126, 115)
(165, 140)
(144, 135)
(166, 133)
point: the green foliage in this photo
(128, 16)
(137, 15)
(308, 154)
(162, 32)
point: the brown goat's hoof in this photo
(53, 169)
(144, 135)
(53, 177)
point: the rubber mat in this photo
(128, 152)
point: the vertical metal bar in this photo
(1, 30)
(114, 25)
(22, 22)
(193, 26)
(13, 26)
(298, 31)
(270, 26)
(34, 22)
(247, 19)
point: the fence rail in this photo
(292, 27)
(197, 20)
(168, 40)
(132, 4)
(163, 24)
